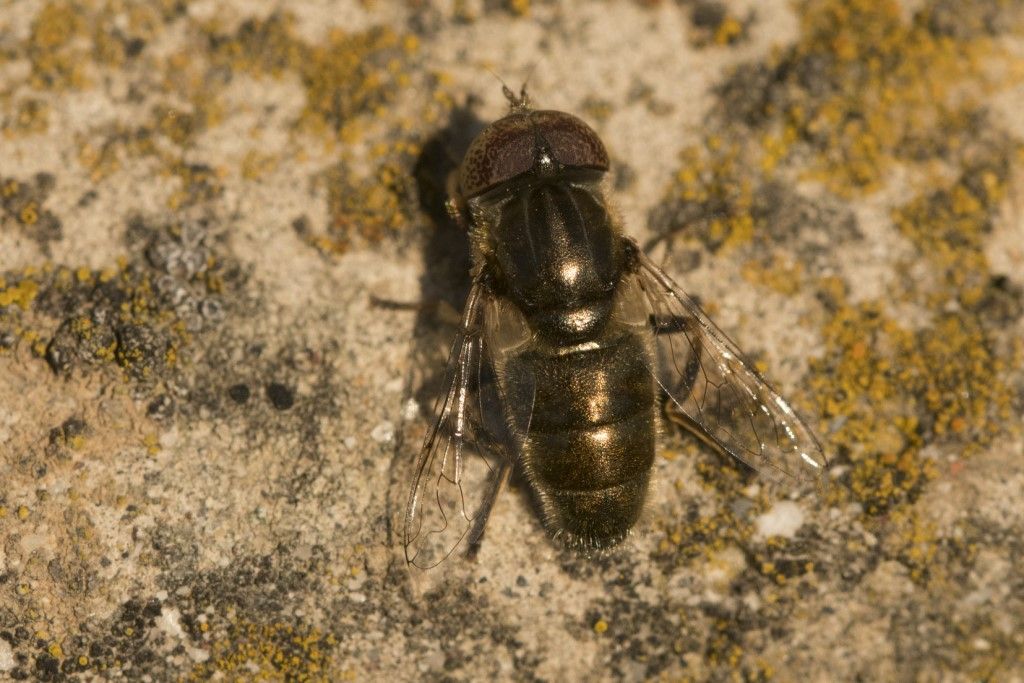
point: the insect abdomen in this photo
(592, 439)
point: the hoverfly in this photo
(568, 336)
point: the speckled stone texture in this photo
(228, 285)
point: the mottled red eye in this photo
(510, 147)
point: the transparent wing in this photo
(466, 452)
(721, 398)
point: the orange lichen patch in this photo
(24, 203)
(714, 24)
(117, 144)
(178, 126)
(268, 47)
(199, 183)
(864, 86)
(712, 195)
(949, 224)
(367, 210)
(68, 39)
(518, 7)
(349, 76)
(56, 47)
(164, 140)
(19, 294)
(728, 31)
(914, 542)
(778, 271)
(888, 390)
(256, 164)
(353, 75)
(351, 81)
(698, 535)
(29, 116)
(270, 652)
(723, 649)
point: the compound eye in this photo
(509, 148)
(504, 150)
(573, 143)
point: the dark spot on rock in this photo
(161, 407)
(87, 198)
(152, 608)
(45, 182)
(1003, 301)
(133, 47)
(47, 667)
(239, 393)
(281, 397)
(708, 14)
(69, 429)
(61, 351)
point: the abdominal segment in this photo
(591, 440)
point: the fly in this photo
(568, 337)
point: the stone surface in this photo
(228, 285)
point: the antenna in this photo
(517, 103)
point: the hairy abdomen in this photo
(591, 440)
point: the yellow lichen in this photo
(255, 164)
(699, 535)
(270, 652)
(883, 80)
(366, 210)
(948, 223)
(30, 116)
(348, 76)
(352, 75)
(779, 272)
(728, 31)
(891, 389)
(714, 194)
(151, 443)
(54, 47)
(519, 7)
(21, 294)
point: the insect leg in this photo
(455, 204)
(678, 324)
(476, 534)
(683, 325)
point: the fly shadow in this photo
(443, 289)
(445, 282)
